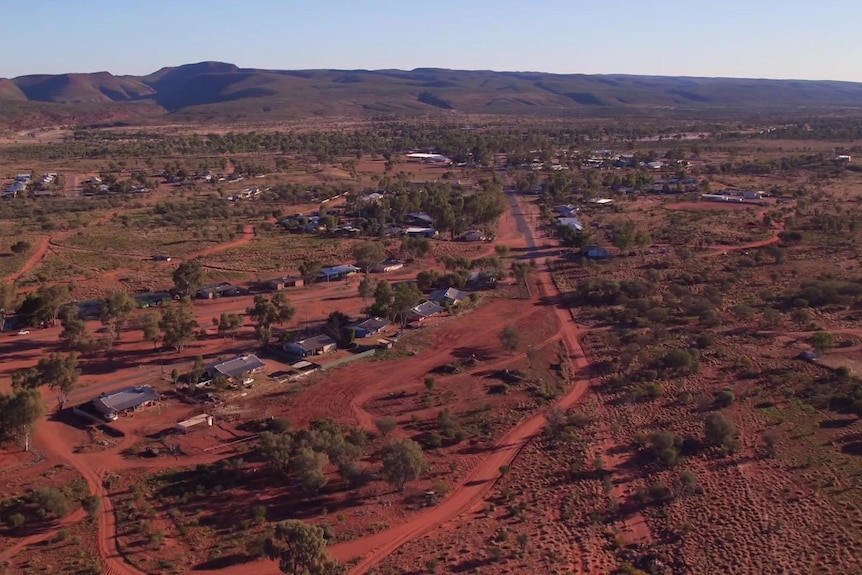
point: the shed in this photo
(184, 425)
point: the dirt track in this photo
(33, 260)
(57, 442)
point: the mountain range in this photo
(216, 91)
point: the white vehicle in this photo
(24, 332)
(248, 381)
(111, 416)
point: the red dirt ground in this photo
(32, 261)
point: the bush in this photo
(51, 501)
(724, 398)
(719, 430)
(15, 521)
(385, 425)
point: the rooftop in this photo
(238, 365)
(124, 399)
(427, 309)
(337, 270)
(311, 344)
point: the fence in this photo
(348, 359)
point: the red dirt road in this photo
(481, 480)
(247, 236)
(33, 260)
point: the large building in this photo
(110, 405)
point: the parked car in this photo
(24, 332)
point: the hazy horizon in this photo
(792, 40)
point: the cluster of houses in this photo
(246, 194)
(24, 182)
(96, 186)
(428, 158)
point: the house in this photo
(473, 236)
(389, 265)
(370, 326)
(418, 219)
(285, 282)
(125, 400)
(337, 272)
(571, 222)
(236, 367)
(448, 296)
(425, 310)
(316, 345)
(417, 232)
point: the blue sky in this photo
(751, 38)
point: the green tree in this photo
(75, 330)
(310, 270)
(268, 311)
(44, 304)
(178, 326)
(403, 461)
(114, 312)
(309, 466)
(382, 299)
(366, 289)
(822, 341)
(368, 254)
(60, 373)
(510, 338)
(300, 549)
(189, 277)
(19, 411)
(228, 323)
(277, 449)
(149, 324)
(406, 296)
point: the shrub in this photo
(719, 430)
(724, 398)
(15, 521)
(385, 425)
(51, 501)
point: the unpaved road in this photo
(33, 260)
